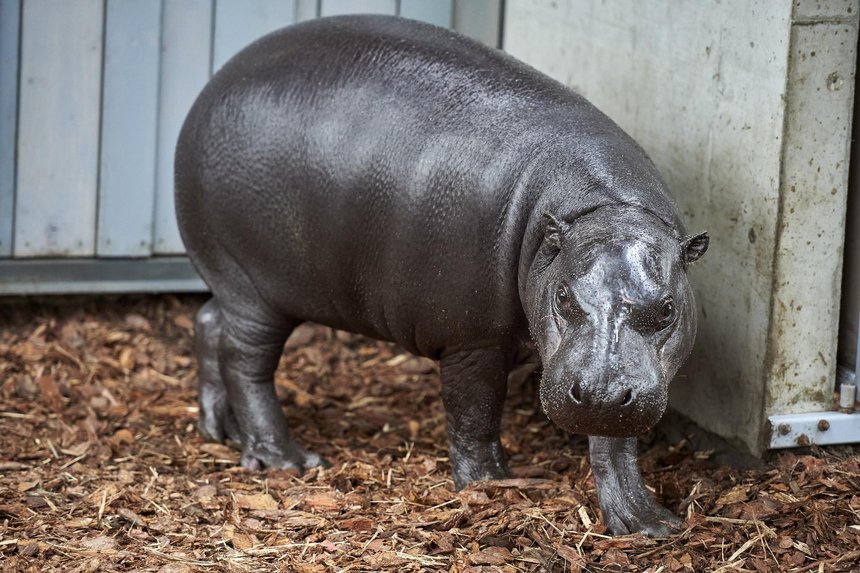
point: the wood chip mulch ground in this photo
(101, 469)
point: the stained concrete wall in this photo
(745, 106)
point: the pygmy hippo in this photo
(396, 179)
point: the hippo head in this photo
(613, 317)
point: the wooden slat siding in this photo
(10, 19)
(307, 10)
(58, 129)
(439, 12)
(129, 120)
(186, 41)
(479, 19)
(336, 7)
(240, 22)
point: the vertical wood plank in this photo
(337, 7)
(10, 20)
(307, 10)
(185, 63)
(58, 135)
(479, 19)
(240, 22)
(129, 119)
(439, 12)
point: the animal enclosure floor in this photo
(101, 469)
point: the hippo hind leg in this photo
(237, 359)
(474, 384)
(217, 422)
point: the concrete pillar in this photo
(745, 106)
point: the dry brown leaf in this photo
(491, 556)
(116, 336)
(184, 322)
(131, 517)
(77, 450)
(444, 541)
(300, 520)
(49, 393)
(205, 492)
(126, 358)
(323, 501)
(451, 519)
(417, 365)
(414, 427)
(474, 496)
(734, 495)
(27, 485)
(385, 559)
(79, 523)
(14, 509)
(570, 555)
(219, 451)
(176, 568)
(138, 322)
(796, 558)
(255, 501)
(244, 541)
(6, 466)
(310, 567)
(102, 543)
(617, 557)
(376, 545)
(356, 524)
(106, 494)
(123, 437)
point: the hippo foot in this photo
(218, 424)
(478, 461)
(289, 456)
(636, 512)
(281, 452)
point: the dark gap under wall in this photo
(850, 303)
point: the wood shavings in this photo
(101, 469)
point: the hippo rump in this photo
(398, 180)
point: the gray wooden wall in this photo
(92, 96)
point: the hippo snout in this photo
(615, 407)
(585, 397)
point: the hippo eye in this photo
(666, 314)
(562, 295)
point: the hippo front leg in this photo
(474, 385)
(626, 504)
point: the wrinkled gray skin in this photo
(395, 179)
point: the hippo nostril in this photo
(576, 393)
(628, 397)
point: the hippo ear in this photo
(693, 247)
(553, 231)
